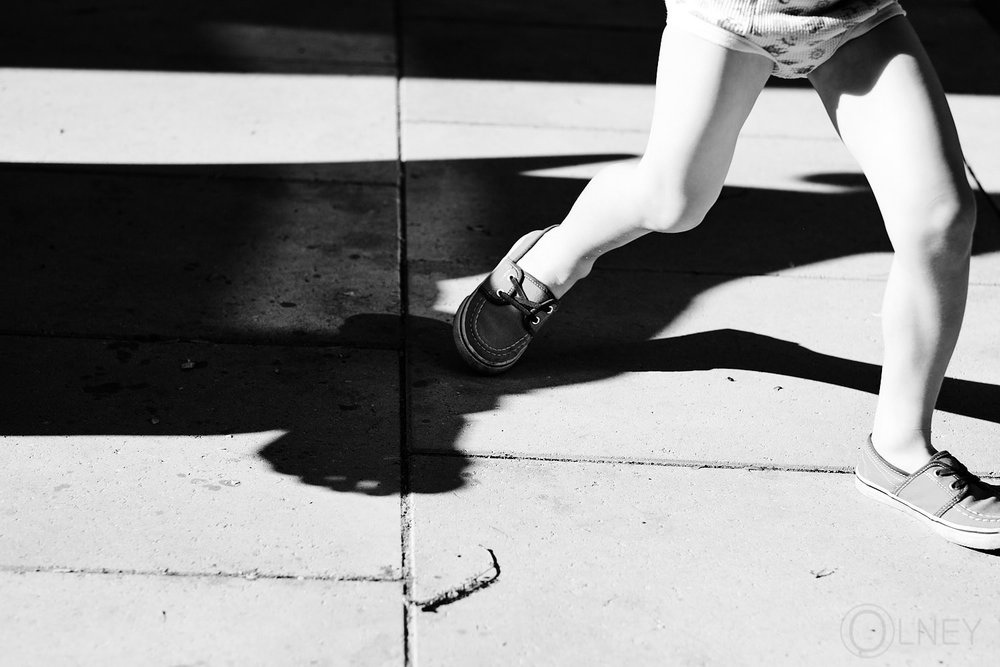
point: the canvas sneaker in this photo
(943, 495)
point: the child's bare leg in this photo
(890, 110)
(703, 95)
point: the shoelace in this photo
(529, 309)
(963, 478)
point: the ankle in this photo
(908, 450)
(550, 264)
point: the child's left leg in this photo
(890, 110)
(885, 99)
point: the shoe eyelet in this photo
(938, 473)
(500, 293)
(536, 320)
(550, 310)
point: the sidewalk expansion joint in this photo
(405, 498)
(662, 463)
(249, 575)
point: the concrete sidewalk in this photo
(222, 444)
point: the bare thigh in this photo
(704, 93)
(888, 105)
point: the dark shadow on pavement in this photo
(638, 290)
(111, 270)
(141, 260)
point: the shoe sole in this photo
(966, 538)
(465, 350)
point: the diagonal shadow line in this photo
(744, 350)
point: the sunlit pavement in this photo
(222, 444)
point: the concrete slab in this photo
(64, 619)
(331, 126)
(774, 371)
(633, 565)
(556, 104)
(779, 112)
(227, 36)
(123, 255)
(199, 458)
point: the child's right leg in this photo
(704, 93)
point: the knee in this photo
(673, 210)
(939, 228)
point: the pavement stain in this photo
(823, 572)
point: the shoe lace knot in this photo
(962, 479)
(529, 309)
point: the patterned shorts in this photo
(797, 35)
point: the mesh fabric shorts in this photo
(796, 35)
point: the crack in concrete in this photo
(665, 463)
(463, 590)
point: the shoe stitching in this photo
(536, 283)
(971, 512)
(955, 496)
(918, 473)
(912, 478)
(954, 503)
(968, 515)
(877, 459)
(500, 353)
(885, 469)
(923, 515)
(481, 341)
(948, 505)
(931, 517)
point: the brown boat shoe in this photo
(495, 324)
(943, 495)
